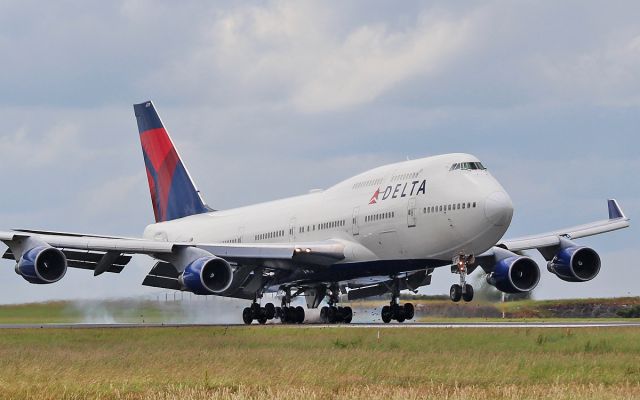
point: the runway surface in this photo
(430, 325)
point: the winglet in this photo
(615, 211)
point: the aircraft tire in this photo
(386, 314)
(348, 315)
(468, 293)
(455, 293)
(284, 315)
(331, 315)
(409, 311)
(269, 310)
(247, 316)
(299, 313)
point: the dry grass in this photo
(283, 362)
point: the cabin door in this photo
(355, 227)
(411, 213)
(292, 230)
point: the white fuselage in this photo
(423, 210)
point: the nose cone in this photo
(498, 208)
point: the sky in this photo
(268, 99)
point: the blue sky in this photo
(270, 99)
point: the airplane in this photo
(379, 232)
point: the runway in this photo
(430, 325)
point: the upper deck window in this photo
(467, 166)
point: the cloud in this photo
(300, 53)
(372, 60)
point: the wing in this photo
(511, 271)
(248, 264)
(617, 220)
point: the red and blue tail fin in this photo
(173, 193)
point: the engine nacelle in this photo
(42, 265)
(575, 264)
(515, 274)
(207, 275)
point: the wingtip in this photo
(615, 212)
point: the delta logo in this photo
(409, 189)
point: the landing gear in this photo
(333, 314)
(463, 290)
(288, 314)
(336, 315)
(257, 313)
(396, 311)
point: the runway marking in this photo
(429, 325)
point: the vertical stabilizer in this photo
(173, 193)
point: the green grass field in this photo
(292, 362)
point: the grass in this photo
(95, 311)
(289, 362)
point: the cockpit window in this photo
(467, 166)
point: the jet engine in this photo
(575, 264)
(42, 265)
(207, 275)
(515, 274)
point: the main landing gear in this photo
(463, 290)
(335, 315)
(395, 310)
(288, 314)
(257, 313)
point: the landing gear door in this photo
(411, 213)
(355, 228)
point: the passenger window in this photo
(474, 204)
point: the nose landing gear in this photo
(463, 290)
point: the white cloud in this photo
(372, 60)
(299, 54)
